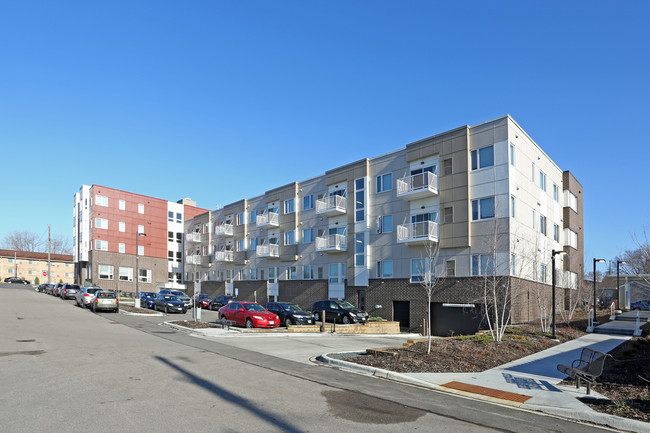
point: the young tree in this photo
(430, 279)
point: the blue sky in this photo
(219, 100)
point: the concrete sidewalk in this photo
(529, 383)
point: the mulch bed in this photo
(132, 309)
(195, 324)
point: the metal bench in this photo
(587, 368)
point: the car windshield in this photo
(291, 307)
(177, 293)
(254, 307)
(106, 295)
(172, 298)
(346, 305)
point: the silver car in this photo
(86, 295)
(105, 301)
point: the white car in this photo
(85, 296)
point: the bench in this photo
(225, 323)
(587, 368)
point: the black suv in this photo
(338, 311)
(290, 314)
(219, 302)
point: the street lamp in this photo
(553, 254)
(595, 261)
(137, 270)
(618, 295)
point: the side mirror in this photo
(241, 309)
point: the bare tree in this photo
(430, 279)
(60, 245)
(22, 241)
(576, 294)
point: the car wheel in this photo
(287, 322)
(345, 320)
(316, 317)
(249, 323)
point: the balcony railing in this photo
(268, 219)
(223, 256)
(418, 186)
(332, 243)
(193, 237)
(417, 233)
(268, 250)
(332, 205)
(224, 229)
(196, 260)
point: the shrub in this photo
(37, 281)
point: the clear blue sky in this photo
(218, 101)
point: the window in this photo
(308, 202)
(556, 233)
(140, 250)
(241, 245)
(140, 229)
(359, 250)
(170, 256)
(253, 274)
(482, 158)
(290, 237)
(239, 219)
(385, 182)
(179, 256)
(126, 274)
(542, 224)
(534, 218)
(385, 269)
(337, 272)
(144, 275)
(308, 236)
(101, 223)
(385, 224)
(571, 238)
(513, 264)
(417, 270)
(11, 260)
(289, 206)
(542, 180)
(140, 208)
(122, 226)
(451, 268)
(252, 217)
(512, 206)
(179, 237)
(179, 217)
(512, 154)
(170, 216)
(572, 201)
(556, 192)
(447, 168)
(291, 273)
(68, 275)
(101, 245)
(483, 208)
(308, 272)
(101, 200)
(253, 244)
(360, 200)
(122, 205)
(482, 264)
(121, 248)
(170, 236)
(105, 272)
(448, 215)
(31, 272)
(320, 272)
(273, 275)
(31, 262)
(243, 274)
(542, 273)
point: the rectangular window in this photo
(253, 274)
(243, 274)
(122, 205)
(482, 264)
(512, 206)
(385, 224)
(179, 237)
(144, 275)
(385, 269)
(239, 219)
(179, 256)
(140, 250)
(542, 273)
(101, 223)
(140, 208)
(101, 245)
(417, 271)
(121, 248)
(556, 233)
(290, 237)
(252, 217)
(291, 273)
(359, 250)
(253, 244)
(482, 158)
(126, 274)
(542, 180)
(289, 206)
(532, 172)
(308, 236)
(448, 215)
(320, 273)
(512, 154)
(122, 226)
(179, 218)
(385, 182)
(105, 272)
(556, 192)
(451, 268)
(542, 224)
(170, 256)
(241, 245)
(170, 236)
(101, 200)
(140, 229)
(360, 200)
(513, 264)
(170, 216)
(447, 167)
(483, 208)
(308, 202)
(308, 272)
(273, 275)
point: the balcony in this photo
(332, 243)
(418, 186)
(223, 256)
(196, 260)
(268, 250)
(417, 233)
(268, 219)
(193, 237)
(333, 205)
(224, 229)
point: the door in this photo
(447, 321)
(402, 313)
(361, 299)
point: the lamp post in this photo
(136, 301)
(618, 295)
(595, 261)
(553, 254)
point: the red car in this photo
(202, 301)
(249, 314)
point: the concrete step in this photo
(614, 331)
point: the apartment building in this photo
(486, 195)
(119, 234)
(31, 266)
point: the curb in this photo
(128, 313)
(587, 417)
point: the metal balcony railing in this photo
(331, 205)
(419, 232)
(418, 186)
(268, 219)
(268, 250)
(332, 243)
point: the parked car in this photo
(249, 314)
(290, 314)
(42, 288)
(14, 280)
(49, 290)
(57, 289)
(219, 302)
(338, 311)
(643, 305)
(169, 303)
(104, 300)
(202, 301)
(179, 294)
(147, 299)
(69, 291)
(86, 295)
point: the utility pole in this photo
(49, 249)
(15, 265)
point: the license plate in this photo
(309, 321)
(271, 322)
(106, 302)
